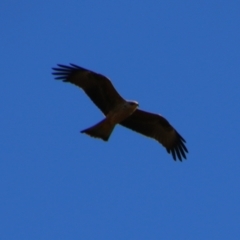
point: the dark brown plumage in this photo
(98, 88)
(101, 91)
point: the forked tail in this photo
(101, 130)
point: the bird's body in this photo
(122, 111)
(104, 128)
(119, 111)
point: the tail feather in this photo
(101, 130)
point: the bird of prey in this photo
(117, 110)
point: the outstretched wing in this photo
(157, 127)
(98, 87)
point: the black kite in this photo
(119, 111)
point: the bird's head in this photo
(132, 104)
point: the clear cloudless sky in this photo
(180, 59)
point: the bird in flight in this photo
(117, 110)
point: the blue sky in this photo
(176, 58)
